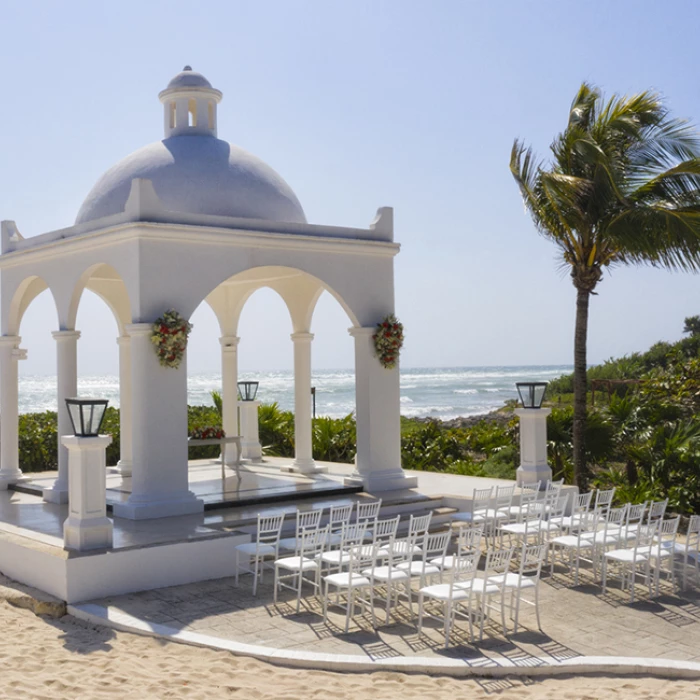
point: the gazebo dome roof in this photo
(192, 170)
(188, 78)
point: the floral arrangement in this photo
(388, 341)
(169, 336)
(208, 432)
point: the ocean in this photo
(445, 392)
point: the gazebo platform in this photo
(253, 483)
(170, 551)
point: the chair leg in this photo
(420, 613)
(447, 614)
(301, 580)
(255, 576)
(276, 583)
(537, 605)
(237, 566)
(350, 604)
(605, 575)
(325, 602)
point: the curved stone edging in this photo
(539, 666)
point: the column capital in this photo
(302, 337)
(133, 329)
(65, 335)
(229, 341)
(123, 340)
(362, 331)
(11, 340)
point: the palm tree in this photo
(623, 188)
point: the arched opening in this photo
(333, 359)
(34, 317)
(192, 112)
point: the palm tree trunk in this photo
(580, 387)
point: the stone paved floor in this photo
(575, 620)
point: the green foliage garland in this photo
(169, 336)
(388, 341)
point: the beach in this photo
(67, 658)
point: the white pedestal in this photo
(250, 442)
(378, 402)
(533, 446)
(87, 525)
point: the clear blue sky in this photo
(357, 105)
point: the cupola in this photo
(189, 104)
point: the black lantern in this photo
(531, 393)
(86, 415)
(247, 391)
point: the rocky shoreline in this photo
(498, 416)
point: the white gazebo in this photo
(182, 220)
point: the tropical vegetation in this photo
(642, 434)
(622, 188)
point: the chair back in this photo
(581, 503)
(308, 520)
(657, 510)
(313, 542)
(634, 518)
(269, 529)
(464, 568)
(693, 537)
(481, 499)
(603, 500)
(528, 497)
(339, 516)
(504, 496)
(469, 539)
(368, 513)
(559, 507)
(435, 547)
(362, 557)
(668, 531)
(531, 558)
(613, 521)
(553, 486)
(498, 561)
(384, 531)
(418, 526)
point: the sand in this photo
(67, 658)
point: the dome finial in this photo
(187, 68)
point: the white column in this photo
(250, 437)
(87, 525)
(159, 479)
(303, 439)
(378, 414)
(10, 353)
(67, 385)
(533, 446)
(125, 410)
(229, 392)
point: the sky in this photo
(357, 105)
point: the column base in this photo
(158, 506)
(532, 474)
(304, 466)
(384, 480)
(251, 450)
(123, 468)
(7, 479)
(58, 493)
(91, 533)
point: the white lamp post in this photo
(87, 525)
(533, 434)
(248, 406)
